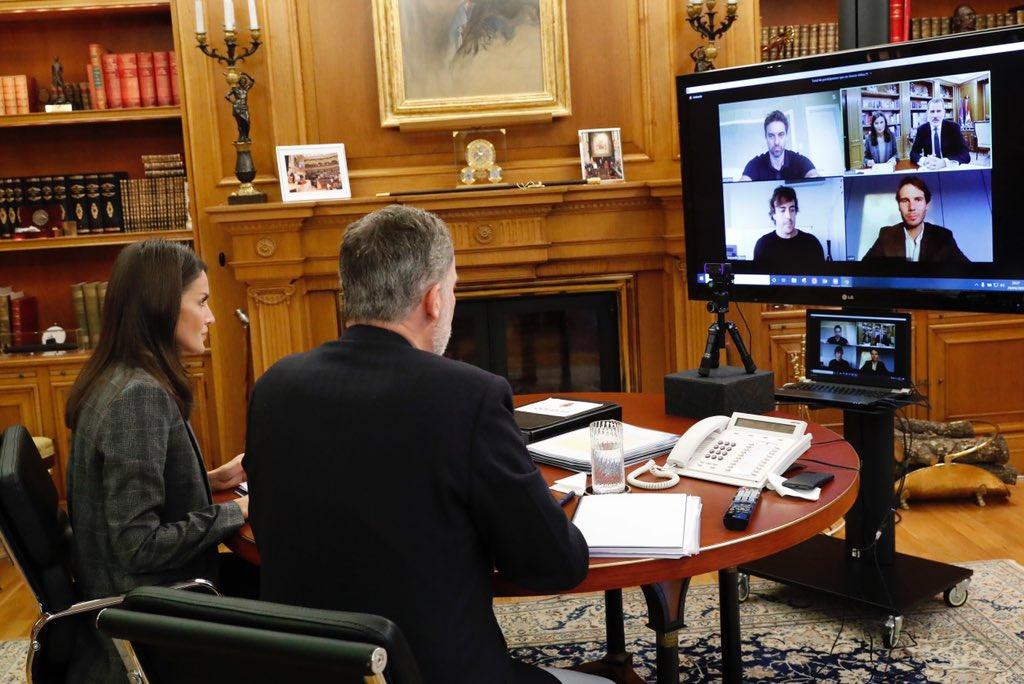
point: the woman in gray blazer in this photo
(879, 143)
(139, 495)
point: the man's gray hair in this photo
(389, 259)
(937, 98)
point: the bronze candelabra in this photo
(703, 22)
(239, 84)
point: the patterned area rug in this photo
(787, 635)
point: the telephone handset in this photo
(740, 449)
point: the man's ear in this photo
(432, 301)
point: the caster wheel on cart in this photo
(891, 631)
(743, 585)
(956, 595)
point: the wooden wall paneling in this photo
(204, 414)
(61, 381)
(651, 322)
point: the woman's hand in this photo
(228, 476)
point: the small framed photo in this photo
(601, 154)
(313, 172)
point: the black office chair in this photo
(37, 534)
(172, 636)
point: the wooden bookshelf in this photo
(89, 116)
(86, 241)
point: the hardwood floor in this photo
(951, 531)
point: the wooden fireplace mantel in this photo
(286, 254)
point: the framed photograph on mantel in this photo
(308, 173)
(458, 63)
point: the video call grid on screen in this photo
(869, 349)
(843, 203)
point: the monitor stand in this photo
(858, 568)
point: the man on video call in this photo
(939, 144)
(914, 239)
(874, 365)
(837, 337)
(778, 163)
(787, 245)
(839, 363)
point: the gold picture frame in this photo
(459, 63)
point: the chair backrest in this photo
(184, 636)
(38, 535)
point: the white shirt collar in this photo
(912, 247)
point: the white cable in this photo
(671, 479)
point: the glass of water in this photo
(608, 472)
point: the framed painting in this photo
(461, 63)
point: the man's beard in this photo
(443, 331)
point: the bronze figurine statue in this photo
(57, 81)
(238, 96)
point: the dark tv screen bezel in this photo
(890, 298)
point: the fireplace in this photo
(569, 338)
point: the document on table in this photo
(571, 450)
(640, 525)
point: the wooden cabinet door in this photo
(61, 380)
(203, 417)
(21, 401)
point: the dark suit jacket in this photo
(388, 480)
(952, 140)
(881, 370)
(938, 246)
(140, 504)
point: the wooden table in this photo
(779, 523)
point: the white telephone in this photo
(739, 450)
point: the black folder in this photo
(535, 427)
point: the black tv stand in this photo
(867, 573)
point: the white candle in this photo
(254, 22)
(229, 15)
(200, 17)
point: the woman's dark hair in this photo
(874, 133)
(140, 313)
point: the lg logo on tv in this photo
(847, 297)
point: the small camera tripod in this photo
(719, 305)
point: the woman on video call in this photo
(879, 143)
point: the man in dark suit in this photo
(913, 239)
(874, 365)
(387, 479)
(938, 143)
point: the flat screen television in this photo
(891, 176)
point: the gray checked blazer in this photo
(140, 504)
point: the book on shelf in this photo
(172, 63)
(97, 95)
(5, 312)
(111, 81)
(92, 310)
(147, 83)
(78, 303)
(24, 316)
(807, 39)
(128, 74)
(162, 79)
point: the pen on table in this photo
(567, 498)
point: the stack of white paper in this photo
(644, 525)
(571, 450)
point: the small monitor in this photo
(858, 348)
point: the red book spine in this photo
(25, 93)
(172, 63)
(128, 71)
(24, 319)
(147, 84)
(895, 21)
(111, 81)
(906, 19)
(162, 79)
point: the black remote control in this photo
(741, 510)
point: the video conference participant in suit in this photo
(879, 143)
(139, 495)
(414, 484)
(874, 365)
(914, 239)
(938, 143)
(787, 245)
(778, 163)
(837, 336)
(839, 363)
